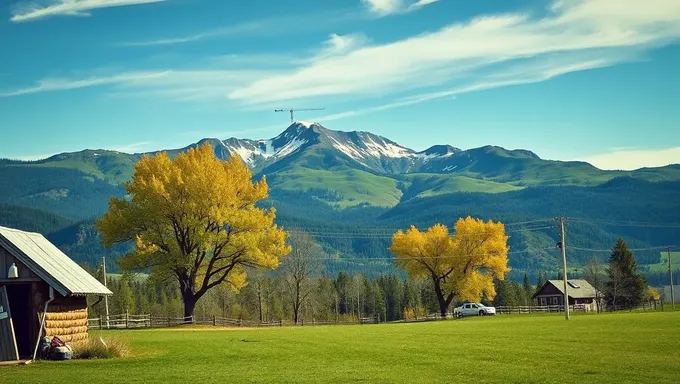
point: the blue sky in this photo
(593, 80)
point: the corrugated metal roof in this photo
(50, 263)
(584, 290)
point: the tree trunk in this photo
(189, 306)
(444, 302)
(259, 300)
(296, 304)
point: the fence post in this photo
(126, 319)
(280, 323)
(100, 323)
(214, 321)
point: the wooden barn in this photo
(581, 294)
(42, 293)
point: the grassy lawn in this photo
(607, 348)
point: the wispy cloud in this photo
(632, 159)
(261, 27)
(596, 26)
(381, 8)
(63, 84)
(528, 74)
(137, 147)
(30, 11)
(235, 30)
(482, 53)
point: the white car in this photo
(473, 309)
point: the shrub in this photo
(97, 348)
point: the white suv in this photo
(473, 309)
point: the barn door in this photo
(8, 343)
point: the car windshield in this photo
(480, 305)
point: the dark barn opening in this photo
(19, 296)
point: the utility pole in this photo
(670, 276)
(563, 245)
(106, 298)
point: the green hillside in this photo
(428, 185)
(341, 189)
(30, 219)
(662, 265)
(111, 166)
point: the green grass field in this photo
(662, 266)
(607, 348)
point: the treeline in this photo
(267, 298)
(65, 192)
(32, 220)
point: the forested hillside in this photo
(352, 190)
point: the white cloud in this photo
(421, 3)
(235, 30)
(583, 26)
(632, 159)
(338, 45)
(31, 11)
(482, 53)
(382, 8)
(62, 84)
(131, 148)
(261, 27)
(533, 73)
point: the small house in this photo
(581, 294)
(42, 293)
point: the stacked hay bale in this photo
(68, 323)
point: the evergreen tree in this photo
(626, 286)
(126, 297)
(540, 280)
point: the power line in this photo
(391, 230)
(625, 223)
(368, 259)
(375, 234)
(630, 249)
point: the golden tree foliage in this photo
(194, 218)
(460, 266)
(653, 294)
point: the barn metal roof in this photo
(584, 290)
(50, 264)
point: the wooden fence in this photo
(127, 321)
(539, 309)
(651, 306)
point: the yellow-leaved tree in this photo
(462, 265)
(194, 219)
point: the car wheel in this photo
(481, 313)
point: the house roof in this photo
(584, 290)
(50, 264)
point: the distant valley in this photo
(358, 187)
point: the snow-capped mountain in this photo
(359, 149)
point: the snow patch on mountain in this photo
(384, 148)
(290, 147)
(306, 124)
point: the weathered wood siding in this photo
(6, 260)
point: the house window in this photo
(554, 300)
